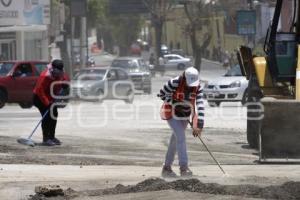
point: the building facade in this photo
(23, 29)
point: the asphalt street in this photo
(130, 137)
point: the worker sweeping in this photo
(182, 96)
(48, 86)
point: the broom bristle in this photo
(26, 141)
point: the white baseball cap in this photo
(192, 77)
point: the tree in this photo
(125, 30)
(121, 29)
(158, 10)
(198, 14)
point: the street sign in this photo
(14, 13)
(246, 22)
(78, 8)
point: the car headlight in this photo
(235, 84)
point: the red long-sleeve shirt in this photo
(43, 87)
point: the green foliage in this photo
(120, 29)
(97, 12)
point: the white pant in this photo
(177, 142)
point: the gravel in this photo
(286, 191)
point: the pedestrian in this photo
(49, 86)
(183, 99)
(152, 59)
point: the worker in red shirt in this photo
(51, 83)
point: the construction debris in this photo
(49, 190)
(287, 191)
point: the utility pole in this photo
(79, 11)
(251, 38)
(83, 42)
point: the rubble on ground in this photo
(287, 191)
(52, 192)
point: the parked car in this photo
(100, 83)
(178, 52)
(164, 49)
(17, 80)
(228, 88)
(138, 71)
(174, 61)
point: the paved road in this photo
(115, 133)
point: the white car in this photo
(228, 88)
(174, 61)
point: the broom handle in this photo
(209, 151)
(38, 124)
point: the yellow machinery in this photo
(273, 124)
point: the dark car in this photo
(138, 71)
(17, 80)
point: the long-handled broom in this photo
(28, 141)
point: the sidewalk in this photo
(18, 181)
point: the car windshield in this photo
(125, 64)
(90, 75)
(5, 68)
(234, 71)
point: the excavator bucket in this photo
(279, 135)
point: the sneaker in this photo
(185, 171)
(56, 141)
(49, 143)
(167, 172)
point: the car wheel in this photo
(100, 95)
(181, 66)
(214, 103)
(3, 98)
(130, 97)
(25, 105)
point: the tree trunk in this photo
(197, 54)
(198, 59)
(158, 25)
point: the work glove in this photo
(197, 132)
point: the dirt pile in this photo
(52, 192)
(287, 191)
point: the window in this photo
(90, 75)
(122, 75)
(40, 67)
(23, 70)
(5, 68)
(125, 64)
(168, 57)
(112, 75)
(142, 65)
(234, 71)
